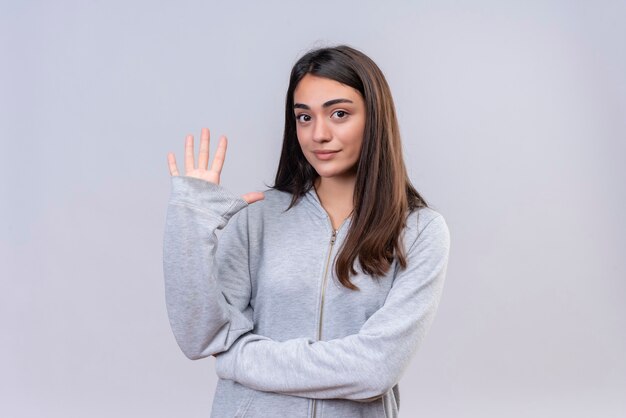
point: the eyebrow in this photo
(327, 104)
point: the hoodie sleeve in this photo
(207, 304)
(362, 366)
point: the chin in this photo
(325, 171)
(329, 173)
(333, 170)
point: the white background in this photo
(513, 116)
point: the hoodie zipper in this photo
(319, 329)
(332, 242)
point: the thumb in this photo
(253, 197)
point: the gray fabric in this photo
(254, 301)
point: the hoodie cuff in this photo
(205, 196)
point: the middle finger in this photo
(203, 157)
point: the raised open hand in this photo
(202, 172)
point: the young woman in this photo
(321, 288)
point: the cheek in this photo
(354, 136)
(300, 134)
(304, 143)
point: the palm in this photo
(207, 175)
(202, 171)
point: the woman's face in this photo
(330, 121)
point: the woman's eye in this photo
(341, 114)
(303, 117)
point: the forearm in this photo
(307, 368)
(202, 320)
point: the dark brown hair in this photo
(383, 193)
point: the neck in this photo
(336, 196)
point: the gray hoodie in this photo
(289, 339)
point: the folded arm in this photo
(361, 366)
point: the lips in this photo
(325, 154)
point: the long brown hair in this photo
(383, 193)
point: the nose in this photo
(321, 132)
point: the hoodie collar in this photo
(312, 200)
